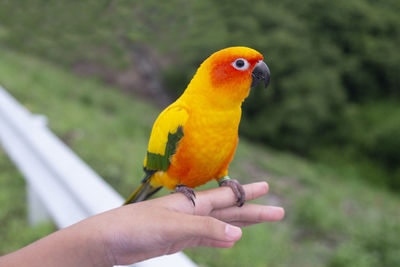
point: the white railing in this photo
(60, 186)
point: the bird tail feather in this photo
(143, 192)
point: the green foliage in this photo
(381, 142)
(366, 32)
(372, 245)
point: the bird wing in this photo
(165, 136)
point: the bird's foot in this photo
(187, 191)
(236, 187)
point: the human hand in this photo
(148, 229)
(170, 224)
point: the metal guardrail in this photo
(60, 186)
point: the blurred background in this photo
(325, 134)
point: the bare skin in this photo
(148, 229)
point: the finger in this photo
(249, 213)
(209, 228)
(243, 224)
(223, 197)
(216, 243)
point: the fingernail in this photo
(281, 211)
(232, 232)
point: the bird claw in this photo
(236, 187)
(187, 191)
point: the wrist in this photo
(93, 243)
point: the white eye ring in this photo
(241, 64)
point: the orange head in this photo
(227, 75)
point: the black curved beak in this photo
(260, 73)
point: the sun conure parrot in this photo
(194, 139)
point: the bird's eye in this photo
(241, 64)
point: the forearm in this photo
(78, 245)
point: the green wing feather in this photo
(161, 162)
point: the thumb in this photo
(212, 228)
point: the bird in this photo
(194, 139)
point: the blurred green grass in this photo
(15, 231)
(333, 218)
